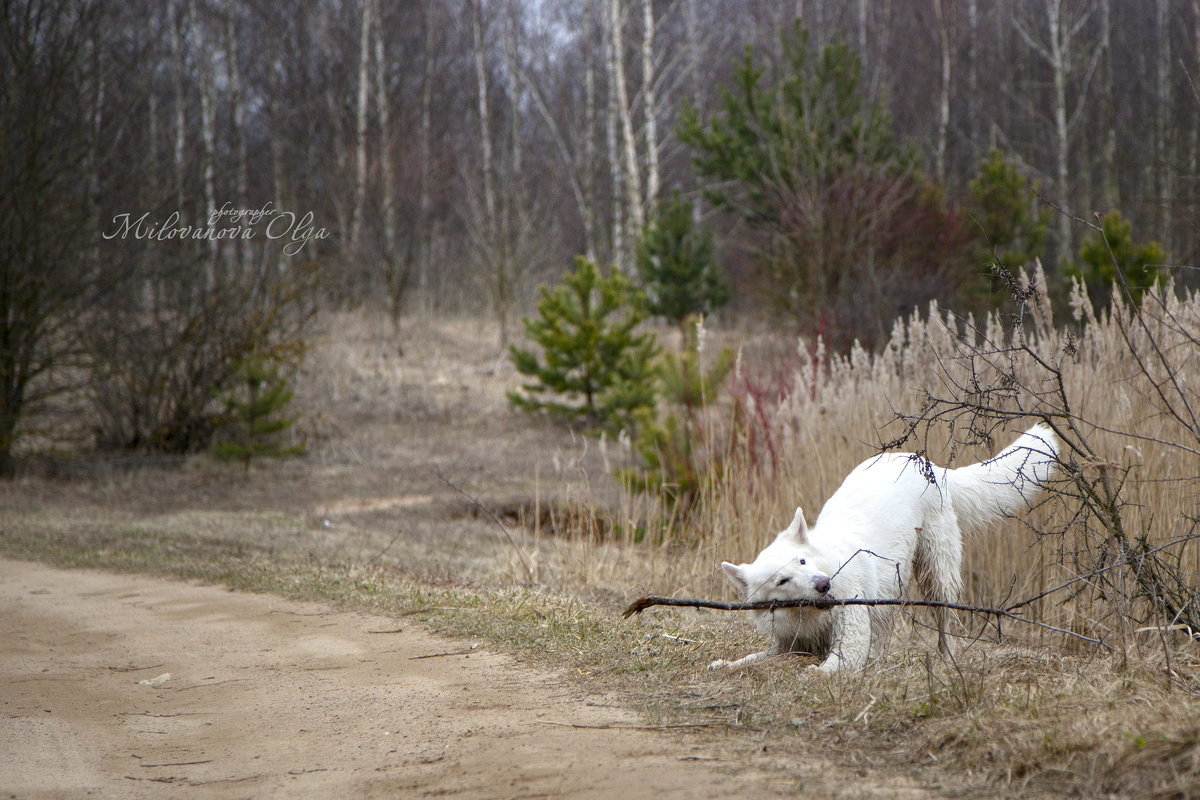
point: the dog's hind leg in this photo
(939, 566)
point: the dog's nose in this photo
(821, 584)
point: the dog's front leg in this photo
(750, 659)
(851, 640)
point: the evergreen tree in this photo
(594, 366)
(255, 414)
(850, 231)
(677, 266)
(1103, 252)
(679, 446)
(1012, 227)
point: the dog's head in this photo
(790, 568)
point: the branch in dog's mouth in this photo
(829, 601)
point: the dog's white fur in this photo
(895, 516)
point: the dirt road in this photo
(123, 686)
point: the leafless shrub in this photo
(157, 372)
(1126, 565)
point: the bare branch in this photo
(641, 604)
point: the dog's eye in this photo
(782, 581)
(802, 562)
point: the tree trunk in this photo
(651, 106)
(177, 68)
(360, 152)
(425, 145)
(395, 268)
(587, 209)
(238, 132)
(1110, 196)
(973, 99)
(629, 160)
(1062, 142)
(208, 137)
(863, 53)
(485, 136)
(1194, 156)
(617, 243)
(1162, 141)
(494, 251)
(944, 102)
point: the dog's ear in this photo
(735, 574)
(797, 531)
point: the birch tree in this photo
(1058, 51)
(650, 105)
(630, 173)
(360, 145)
(943, 32)
(237, 104)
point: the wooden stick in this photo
(641, 604)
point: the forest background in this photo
(186, 182)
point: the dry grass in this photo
(834, 412)
(365, 520)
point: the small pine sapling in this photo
(255, 414)
(677, 266)
(1110, 260)
(594, 366)
(681, 448)
(1011, 226)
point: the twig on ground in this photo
(467, 651)
(622, 727)
(641, 604)
(507, 535)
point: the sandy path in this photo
(274, 698)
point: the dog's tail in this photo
(1005, 484)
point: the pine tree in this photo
(844, 221)
(1103, 252)
(679, 446)
(594, 366)
(1003, 208)
(677, 266)
(255, 414)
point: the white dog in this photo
(894, 516)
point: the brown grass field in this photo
(412, 451)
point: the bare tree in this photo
(360, 146)
(177, 76)
(485, 116)
(619, 99)
(208, 136)
(650, 105)
(1058, 50)
(1162, 127)
(237, 102)
(394, 267)
(45, 220)
(943, 125)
